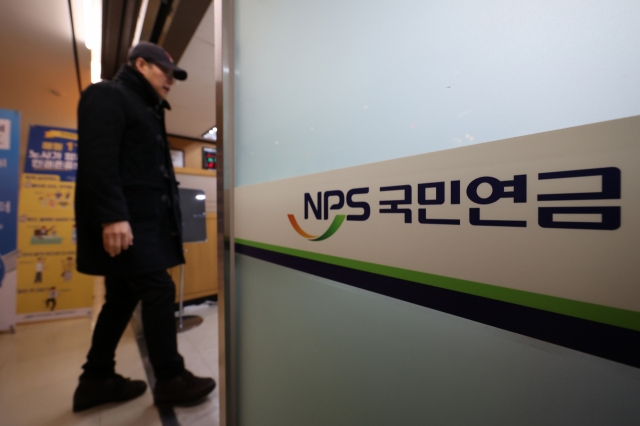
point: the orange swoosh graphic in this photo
(299, 230)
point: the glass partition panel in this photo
(410, 243)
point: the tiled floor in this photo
(40, 364)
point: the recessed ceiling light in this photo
(212, 134)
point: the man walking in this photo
(129, 228)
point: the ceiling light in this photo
(212, 134)
(92, 11)
(96, 67)
(92, 14)
(87, 11)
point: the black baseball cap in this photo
(153, 53)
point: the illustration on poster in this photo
(39, 270)
(5, 134)
(53, 294)
(57, 199)
(67, 268)
(44, 235)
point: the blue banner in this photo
(52, 150)
(9, 159)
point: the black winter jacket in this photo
(125, 173)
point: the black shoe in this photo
(184, 389)
(116, 388)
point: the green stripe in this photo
(589, 311)
(335, 225)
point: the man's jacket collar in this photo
(136, 82)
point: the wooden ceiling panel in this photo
(119, 18)
(184, 23)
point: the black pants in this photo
(157, 293)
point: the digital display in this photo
(209, 160)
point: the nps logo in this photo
(430, 195)
(331, 200)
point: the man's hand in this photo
(116, 237)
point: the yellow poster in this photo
(48, 284)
